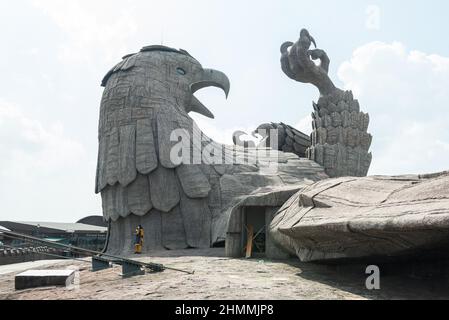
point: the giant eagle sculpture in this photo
(180, 204)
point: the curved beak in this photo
(306, 34)
(208, 78)
(313, 41)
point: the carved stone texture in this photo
(349, 218)
(340, 141)
(173, 231)
(194, 181)
(197, 222)
(164, 190)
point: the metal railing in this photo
(154, 267)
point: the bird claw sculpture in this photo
(340, 141)
(319, 54)
(298, 63)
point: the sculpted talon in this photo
(297, 63)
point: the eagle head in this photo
(168, 75)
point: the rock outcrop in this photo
(380, 216)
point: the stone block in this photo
(44, 278)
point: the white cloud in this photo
(92, 27)
(28, 147)
(42, 170)
(406, 94)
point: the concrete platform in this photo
(24, 266)
(43, 278)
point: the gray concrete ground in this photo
(217, 277)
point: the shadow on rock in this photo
(426, 279)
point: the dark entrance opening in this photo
(253, 222)
(255, 226)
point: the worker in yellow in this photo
(139, 240)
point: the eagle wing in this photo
(294, 140)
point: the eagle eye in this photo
(181, 71)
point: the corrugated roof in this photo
(66, 227)
(93, 221)
(4, 229)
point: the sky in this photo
(394, 55)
